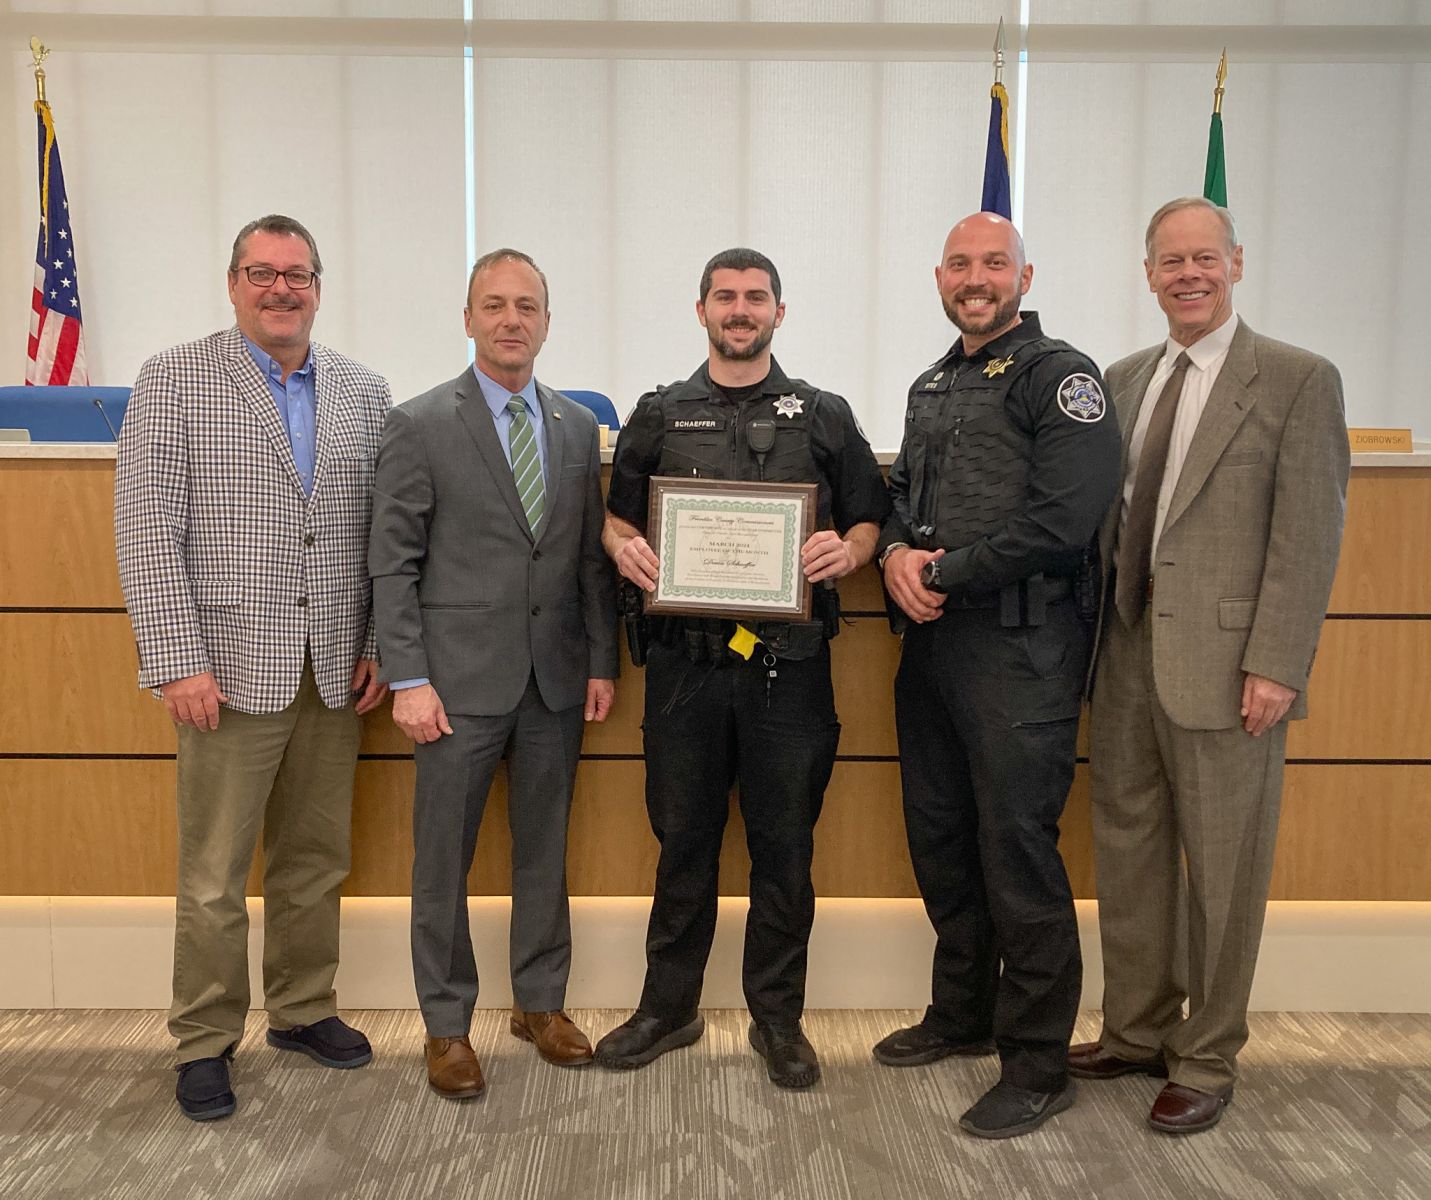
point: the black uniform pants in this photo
(706, 728)
(988, 720)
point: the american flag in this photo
(56, 332)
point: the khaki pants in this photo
(290, 774)
(1184, 827)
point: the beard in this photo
(763, 338)
(998, 316)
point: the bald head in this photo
(984, 229)
(982, 276)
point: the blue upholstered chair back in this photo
(63, 414)
(601, 405)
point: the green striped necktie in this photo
(526, 463)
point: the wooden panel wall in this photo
(87, 772)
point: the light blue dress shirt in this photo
(297, 402)
(497, 396)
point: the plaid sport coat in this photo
(226, 566)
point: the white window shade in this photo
(1325, 163)
(623, 177)
(166, 156)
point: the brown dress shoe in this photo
(556, 1038)
(452, 1068)
(1180, 1109)
(1088, 1060)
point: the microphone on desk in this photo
(99, 404)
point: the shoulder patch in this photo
(1081, 399)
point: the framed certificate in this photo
(730, 548)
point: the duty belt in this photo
(1020, 603)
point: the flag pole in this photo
(1214, 181)
(39, 52)
(998, 192)
(55, 355)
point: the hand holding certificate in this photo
(730, 549)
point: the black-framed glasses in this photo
(298, 279)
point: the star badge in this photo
(788, 406)
(997, 366)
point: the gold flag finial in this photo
(1221, 79)
(39, 52)
(999, 53)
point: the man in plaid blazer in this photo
(242, 504)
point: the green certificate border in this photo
(670, 591)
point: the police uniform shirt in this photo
(1206, 356)
(1059, 403)
(851, 488)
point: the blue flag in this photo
(997, 193)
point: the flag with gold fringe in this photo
(998, 196)
(56, 348)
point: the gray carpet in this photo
(1329, 1106)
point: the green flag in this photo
(1214, 183)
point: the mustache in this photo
(974, 293)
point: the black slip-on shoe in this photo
(203, 1090)
(328, 1041)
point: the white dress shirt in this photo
(1206, 355)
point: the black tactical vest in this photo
(968, 450)
(711, 440)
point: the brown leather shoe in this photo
(1088, 1060)
(452, 1068)
(556, 1038)
(1180, 1109)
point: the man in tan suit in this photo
(1222, 554)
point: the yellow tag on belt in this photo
(743, 642)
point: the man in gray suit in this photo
(1223, 551)
(496, 616)
(242, 496)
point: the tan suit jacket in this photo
(1244, 567)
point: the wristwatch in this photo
(890, 549)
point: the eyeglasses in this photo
(297, 279)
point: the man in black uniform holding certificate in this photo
(720, 711)
(1010, 459)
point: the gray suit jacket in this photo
(1249, 547)
(464, 592)
(226, 565)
